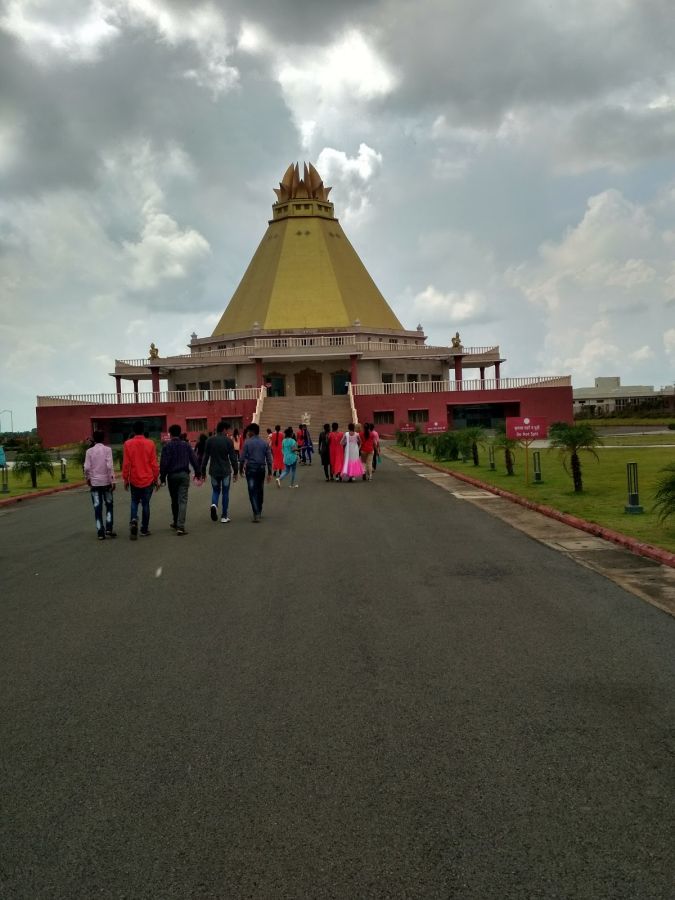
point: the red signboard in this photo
(527, 428)
(436, 427)
(408, 427)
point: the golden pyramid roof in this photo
(305, 273)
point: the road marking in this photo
(474, 495)
(582, 544)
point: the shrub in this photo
(665, 493)
(446, 446)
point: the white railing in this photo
(149, 397)
(341, 343)
(280, 343)
(473, 384)
(352, 406)
(259, 405)
(398, 387)
(424, 349)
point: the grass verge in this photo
(20, 487)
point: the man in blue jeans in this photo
(256, 457)
(224, 468)
(140, 474)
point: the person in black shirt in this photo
(220, 452)
(174, 470)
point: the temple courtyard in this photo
(381, 690)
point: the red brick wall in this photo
(554, 403)
(66, 424)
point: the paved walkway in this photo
(649, 580)
(382, 690)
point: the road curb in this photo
(10, 501)
(628, 543)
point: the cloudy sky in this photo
(505, 169)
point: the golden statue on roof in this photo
(309, 187)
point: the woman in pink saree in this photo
(352, 467)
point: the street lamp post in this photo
(11, 418)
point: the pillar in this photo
(154, 372)
(135, 390)
(458, 368)
(259, 372)
(354, 375)
(497, 364)
(118, 387)
(482, 377)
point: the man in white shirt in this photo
(100, 475)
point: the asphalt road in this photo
(379, 691)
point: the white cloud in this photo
(164, 252)
(71, 30)
(350, 178)
(332, 84)
(593, 352)
(642, 354)
(450, 309)
(669, 341)
(252, 38)
(203, 27)
(63, 243)
(593, 269)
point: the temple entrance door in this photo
(308, 383)
(277, 385)
(339, 381)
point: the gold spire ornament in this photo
(309, 187)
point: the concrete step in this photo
(286, 411)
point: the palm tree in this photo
(508, 445)
(570, 439)
(32, 459)
(475, 437)
(665, 492)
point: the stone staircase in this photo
(286, 411)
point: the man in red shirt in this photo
(140, 473)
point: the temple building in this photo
(307, 336)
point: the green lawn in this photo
(618, 422)
(19, 486)
(605, 489)
(644, 440)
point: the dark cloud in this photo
(477, 59)
(294, 21)
(118, 168)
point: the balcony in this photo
(359, 390)
(148, 397)
(470, 384)
(320, 347)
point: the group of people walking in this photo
(345, 456)
(349, 455)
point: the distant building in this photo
(610, 396)
(307, 335)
